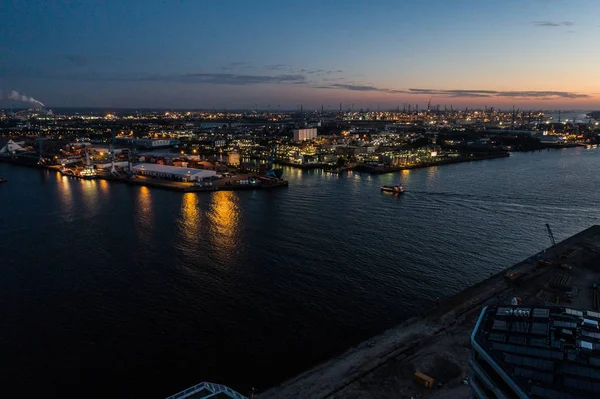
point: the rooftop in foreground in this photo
(550, 352)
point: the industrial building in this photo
(172, 172)
(146, 143)
(536, 352)
(305, 134)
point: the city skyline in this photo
(237, 55)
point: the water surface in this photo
(130, 291)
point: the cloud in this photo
(223, 78)
(494, 93)
(358, 87)
(320, 71)
(276, 67)
(455, 93)
(355, 87)
(546, 23)
(546, 95)
(539, 94)
(553, 24)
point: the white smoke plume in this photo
(15, 95)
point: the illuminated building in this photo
(305, 134)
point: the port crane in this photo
(271, 172)
(549, 230)
(40, 148)
(111, 152)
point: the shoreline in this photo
(183, 187)
(393, 169)
(451, 320)
(381, 171)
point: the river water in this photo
(113, 289)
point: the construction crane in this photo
(549, 230)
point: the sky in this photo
(229, 54)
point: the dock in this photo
(187, 187)
(225, 184)
(445, 161)
(436, 342)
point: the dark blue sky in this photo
(236, 54)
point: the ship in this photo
(3, 180)
(85, 173)
(396, 189)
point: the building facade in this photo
(305, 134)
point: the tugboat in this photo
(396, 189)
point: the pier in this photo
(437, 342)
(187, 187)
(446, 161)
(224, 184)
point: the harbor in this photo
(206, 270)
(167, 171)
(436, 343)
(226, 184)
(377, 170)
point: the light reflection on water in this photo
(144, 217)
(224, 215)
(65, 194)
(89, 189)
(103, 184)
(190, 219)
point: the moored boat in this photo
(3, 180)
(85, 173)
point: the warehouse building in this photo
(172, 172)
